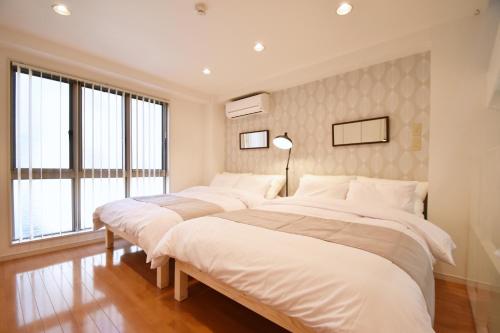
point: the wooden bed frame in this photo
(184, 270)
(162, 272)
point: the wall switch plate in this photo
(416, 137)
(417, 129)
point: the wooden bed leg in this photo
(181, 284)
(109, 239)
(162, 276)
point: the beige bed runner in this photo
(151, 233)
(399, 248)
(187, 208)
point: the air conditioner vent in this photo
(246, 106)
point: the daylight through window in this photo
(77, 145)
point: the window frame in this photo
(46, 173)
(75, 172)
(13, 133)
(84, 173)
(136, 173)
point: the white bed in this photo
(304, 283)
(143, 223)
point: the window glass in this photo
(42, 122)
(147, 147)
(146, 186)
(102, 129)
(96, 192)
(42, 207)
(147, 139)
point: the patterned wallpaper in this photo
(399, 88)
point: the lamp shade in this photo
(283, 142)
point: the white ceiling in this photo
(168, 39)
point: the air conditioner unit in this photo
(249, 105)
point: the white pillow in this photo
(254, 183)
(226, 179)
(420, 191)
(276, 184)
(399, 196)
(334, 187)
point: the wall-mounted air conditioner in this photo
(249, 105)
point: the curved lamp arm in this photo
(286, 171)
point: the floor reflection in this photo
(65, 296)
(90, 289)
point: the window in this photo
(102, 178)
(41, 155)
(147, 160)
(76, 146)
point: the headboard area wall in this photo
(399, 89)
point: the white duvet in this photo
(329, 287)
(147, 222)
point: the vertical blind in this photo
(103, 144)
(77, 145)
(147, 174)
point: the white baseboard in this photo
(33, 252)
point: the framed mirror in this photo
(373, 130)
(254, 140)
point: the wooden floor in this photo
(88, 289)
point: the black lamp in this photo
(284, 142)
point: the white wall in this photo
(215, 131)
(483, 265)
(186, 140)
(194, 149)
(197, 137)
(459, 59)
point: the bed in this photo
(144, 220)
(299, 261)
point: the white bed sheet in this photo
(148, 222)
(329, 287)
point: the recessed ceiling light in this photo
(206, 71)
(259, 47)
(61, 9)
(344, 8)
